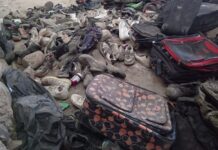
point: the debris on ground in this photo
(110, 75)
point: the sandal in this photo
(129, 58)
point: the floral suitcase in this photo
(135, 118)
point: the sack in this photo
(38, 119)
(133, 117)
(185, 59)
(208, 102)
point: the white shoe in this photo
(77, 100)
(124, 30)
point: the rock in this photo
(3, 66)
(34, 60)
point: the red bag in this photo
(185, 58)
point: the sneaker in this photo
(46, 66)
(59, 88)
(77, 100)
(124, 30)
(94, 65)
(129, 56)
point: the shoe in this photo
(34, 60)
(48, 6)
(91, 38)
(129, 56)
(105, 51)
(69, 69)
(7, 47)
(115, 51)
(106, 34)
(76, 142)
(73, 44)
(59, 88)
(174, 91)
(143, 60)
(124, 30)
(88, 77)
(30, 72)
(94, 65)
(60, 48)
(117, 72)
(23, 33)
(46, 66)
(58, 92)
(30, 49)
(77, 100)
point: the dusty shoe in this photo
(116, 51)
(69, 69)
(117, 72)
(7, 47)
(59, 87)
(87, 79)
(31, 48)
(23, 33)
(34, 60)
(175, 91)
(106, 34)
(58, 92)
(30, 72)
(77, 100)
(46, 66)
(95, 65)
(143, 60)
(124, 30)
(73, 44)
(105, 51)
(48, 6)
(129, 56)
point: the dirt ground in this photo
(136, 74)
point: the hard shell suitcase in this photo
(133, 117)
(185, 59)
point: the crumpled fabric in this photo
(208, 101)
(38, 118)
(192, 131)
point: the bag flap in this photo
(151, 107)
(147, 30)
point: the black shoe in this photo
(7, 47)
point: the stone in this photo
(34, 60)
